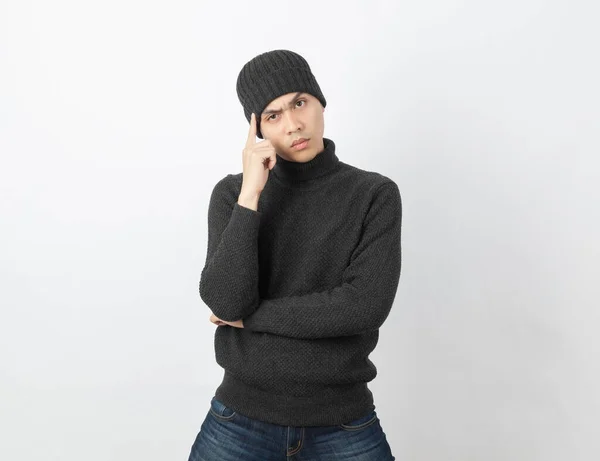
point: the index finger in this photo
(252, 131)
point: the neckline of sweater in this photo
(322, 164)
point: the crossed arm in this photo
(359, 304)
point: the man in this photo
(302, 267)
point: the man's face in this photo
(289, 118)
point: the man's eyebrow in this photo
(273, 111)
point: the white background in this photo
(118, 117)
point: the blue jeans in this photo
(226, 435)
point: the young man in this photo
(302, 268)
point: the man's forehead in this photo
(284, 99)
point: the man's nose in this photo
(291, 122)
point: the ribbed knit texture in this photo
(271, 75)
(313, 274)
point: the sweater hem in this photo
(326, 405)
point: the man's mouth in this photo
(300, 143)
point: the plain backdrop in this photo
(118, 117)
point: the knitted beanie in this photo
(273, 74)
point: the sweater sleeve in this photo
(363, 300)
(229, 279)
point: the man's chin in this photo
(303, 155)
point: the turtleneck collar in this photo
(323, 163)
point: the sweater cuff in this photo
(244, 222)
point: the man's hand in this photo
(217, 321)
(257, 160)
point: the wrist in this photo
(249, 201)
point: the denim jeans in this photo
(226, 435)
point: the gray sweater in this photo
(313, 274)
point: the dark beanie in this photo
(273, 74)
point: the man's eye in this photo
(270, 117)
(301, 100)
